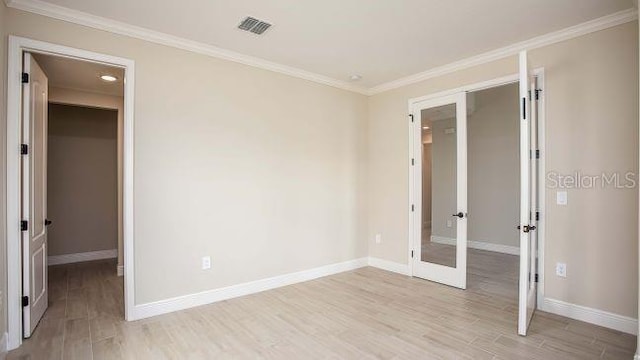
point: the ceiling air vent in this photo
(254, 25)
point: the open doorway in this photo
(493, 171)
(72, 184)
(77, 88)
(470, 171)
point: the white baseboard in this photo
(389, 265)
(480, 245)
(594, 316)
(636, 356)
(81, 257)
(120, 270)
(3, 346)
(210, 296)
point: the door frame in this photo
(17, 46)
(415, 182)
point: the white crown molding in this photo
(585, 28)
(117, 27)
(97, 22)
(593, 316)
(211, 296)
(82, 257)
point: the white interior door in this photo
(439, 186)
(34, 195)
(528, 196)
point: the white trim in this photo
(483, 85)
(387, 265)
(120, 269)
(117, 27)
(542, 181)
(571, 32)
(480, 245)
(3, 342)
(593, 316)
(211, 296)
(17, 45)
(82, 257)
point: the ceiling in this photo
(81, 75)
(381, 40)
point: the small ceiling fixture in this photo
(254, 25)
(425, 127)
(355, 77)
(108, 78)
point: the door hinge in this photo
(24, 149)
(537, 154)
(413, 161)
(537, 215)
(538, 91)
(24, 225)
(536, 278)
(411, 116)
(412, 207)
(25, 78)
(412, 254)
(25, 301)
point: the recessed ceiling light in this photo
(355, 77)
(109, 78)
(425, 127)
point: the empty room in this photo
(356, 179)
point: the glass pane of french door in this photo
(439, 185)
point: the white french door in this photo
(439, 172)
(528, 196)
(34, 194)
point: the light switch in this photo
(561, 198)
(561, 269)
(206, 262)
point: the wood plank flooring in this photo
(363, 314)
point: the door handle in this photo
(460, 215)
(527, 228)
(47, 222)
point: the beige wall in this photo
(592, 125)
(494, 166)
(3, 203)
(84, 98)
(82, 179)
(227, 165)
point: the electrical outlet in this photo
(378, 238)
(206, 262)
(561, 269)
(449, 223)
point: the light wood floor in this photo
(362, 314)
